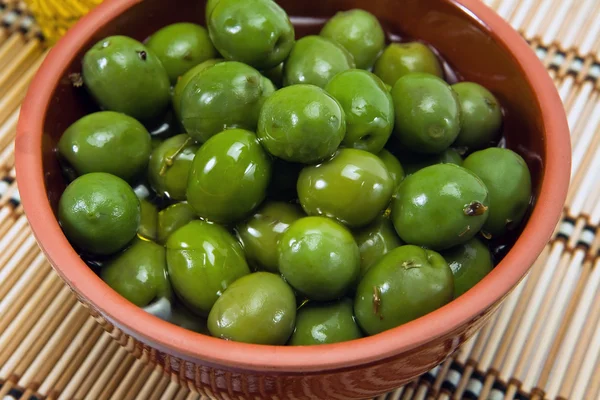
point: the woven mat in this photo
(544, 342)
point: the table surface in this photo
(544, 342)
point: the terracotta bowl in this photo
(475, 42)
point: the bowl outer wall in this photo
(192, 346)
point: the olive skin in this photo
(407, 283)
(319, 258)
(508, 180)
(170, 164)
(480, 117)
(106, 141)
(394, 167)
(301, 123)
(148, 220)
(172, 218)
(99, 213)
(325, 323)
(203, 259)
(368, 108)
(227, 95)
(126, 64)
(180, 47)
(256, 32)
(427, 113)
(259, 308)
(440, 206)
(183, 81)
(315, 60)
(139, 273)
(399, 59)
(229, 176)
(359, 32)
(355, 198)
(413, 162)
(374, 241)
(470, 262)
(261, 232)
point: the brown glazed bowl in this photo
(471, 38)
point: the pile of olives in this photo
(258, 188)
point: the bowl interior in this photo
(478, 51)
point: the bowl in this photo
(470, 37)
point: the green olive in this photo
(353, 187)
(407, 283)
(170, 165)
(229, 177)
(261, 232)
(258, 308)
(374, 241)
(470, 262)
(172, 218)
(148, 220)
(325, 323)
(319, 258)
(508, 180)
(139, 273)
(440, 206)
(203, 260)
(125, 76)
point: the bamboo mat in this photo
(544, 342)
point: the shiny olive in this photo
(148, 220)
(255, 32)
(470, 262)
(139, 273)
(368, 108)
(480, 117)
(258, 308)
(170, 165)
(325, 323)
(440, 206)
(427, 113)
(301, 123)
(180, 47)
(315, 60)
(261, 232)
(183, 81)
(227, 95)
(106, 141)
(99, 213)
(203, 260)
(319, 258)
(508, 180)
(229, 176)
(359, 32)
(172, 218)
(399, 59)
(353, 187)
(407, 283)
(374, 241)
(125, 76)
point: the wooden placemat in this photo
(544, 342)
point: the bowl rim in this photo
(192, 346)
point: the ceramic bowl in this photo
(470, 37)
